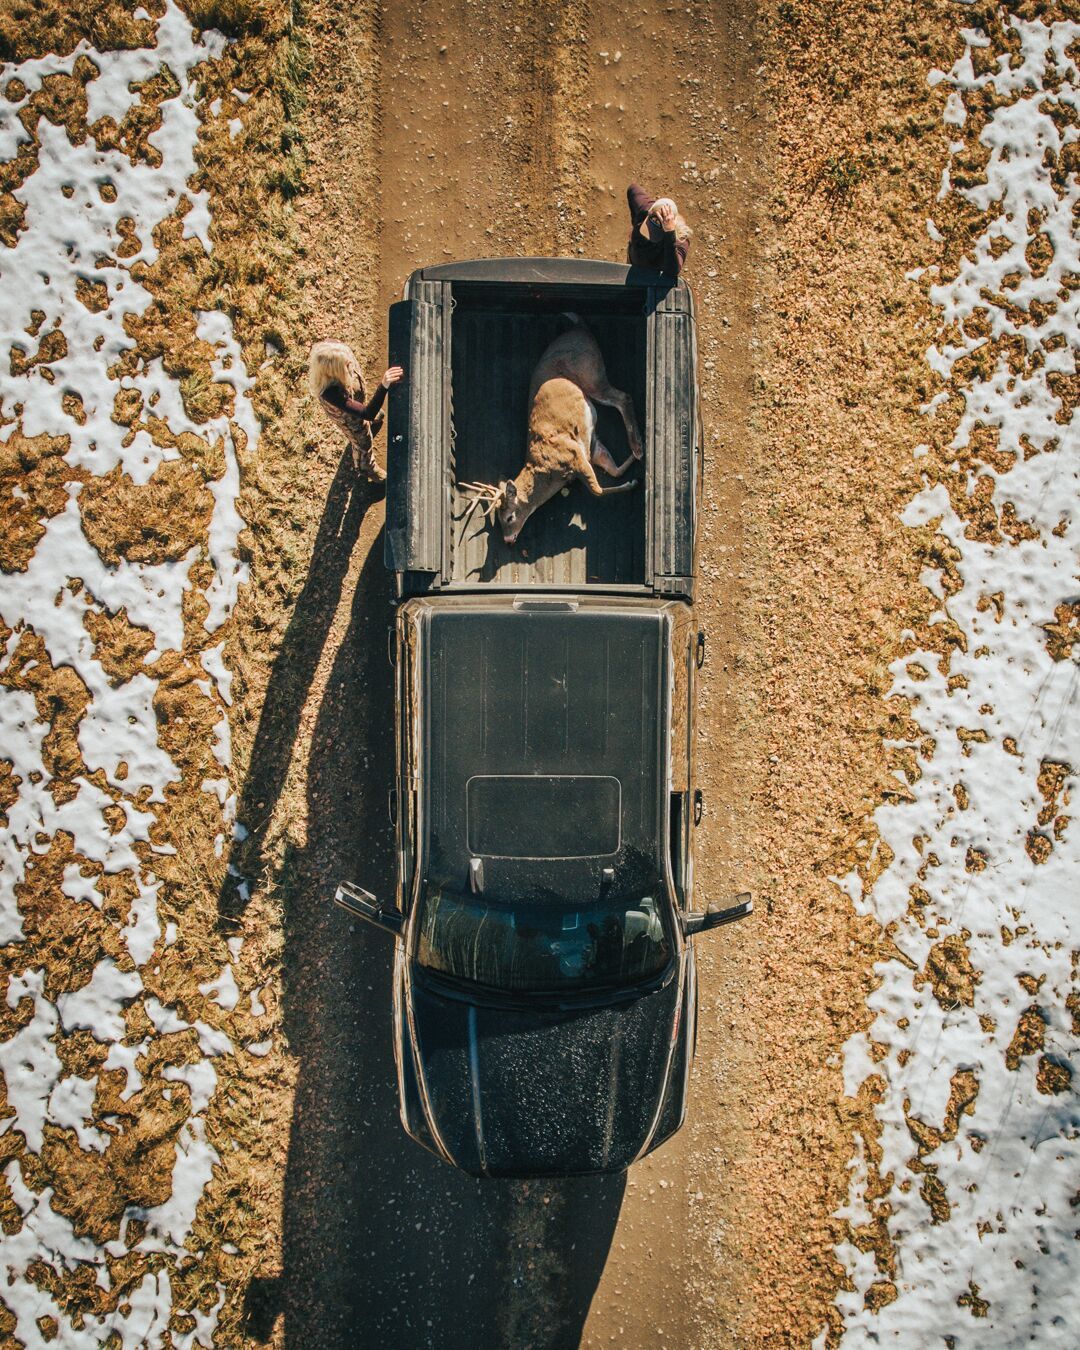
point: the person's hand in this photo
(664, 210)
(394, 375)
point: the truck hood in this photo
(512, 1091)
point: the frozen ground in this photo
(963, 1208)
(90, 213)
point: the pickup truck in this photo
(545, 992)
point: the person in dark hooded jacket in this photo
(659, 236)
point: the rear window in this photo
(544, 816)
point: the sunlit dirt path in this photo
(515, 129)
(471, 130)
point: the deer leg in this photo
(601, 457)
(615, 398)
(588, 477)
(586, 473)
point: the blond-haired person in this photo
(659, 237)
(335, 380)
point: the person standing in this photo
(659, 236)
(335, 379)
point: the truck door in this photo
(681, 805)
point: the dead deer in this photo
(562, 441)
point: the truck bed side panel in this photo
(669, 438)
(419, 430)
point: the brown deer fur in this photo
(562, 441)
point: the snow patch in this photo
(223, 990)
(980, 1054)
(98, 1006)
(71, 1105)
(65, 242)
(29, 1061)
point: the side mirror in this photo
(364, 905)
(716, 918)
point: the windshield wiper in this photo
(471, 991)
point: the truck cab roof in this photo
(544, 733)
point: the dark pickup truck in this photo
(544, 990)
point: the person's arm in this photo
(675, 251)
(369, 410)
(639, 202)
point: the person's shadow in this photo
(347, 503)
(382, 1243)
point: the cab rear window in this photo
(544, 816)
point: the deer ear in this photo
(509, 492)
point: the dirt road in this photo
(510, 128)
(461, 131)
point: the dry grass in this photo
(859, 146)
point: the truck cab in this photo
(545, 987)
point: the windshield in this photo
(544, 947)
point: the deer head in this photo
(508, 503)
(512, 512)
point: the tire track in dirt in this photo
(480, 132)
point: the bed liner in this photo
(469, 335)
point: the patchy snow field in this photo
(962, 1209)
(84, 830)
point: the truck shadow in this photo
(382, 1243)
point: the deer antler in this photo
(486, 493)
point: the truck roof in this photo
(545, 744)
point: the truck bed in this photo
(574, 540)
(469, 335)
